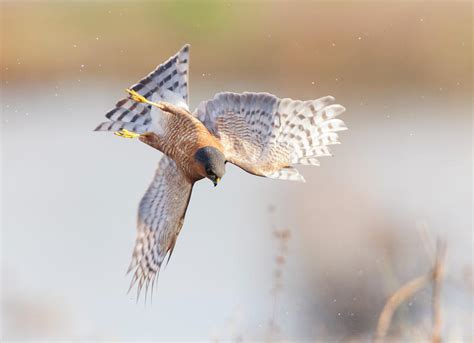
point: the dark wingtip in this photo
(169, 257)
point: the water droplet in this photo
(333, 44)
(359, 38)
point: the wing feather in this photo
(160, 218)
(265, 135)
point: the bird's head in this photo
(211, 162)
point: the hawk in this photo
(259, 132)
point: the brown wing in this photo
(160, 218)
(265, 135)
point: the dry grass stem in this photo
(409, 289)
(282, 237)
(438, 273)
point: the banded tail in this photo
(168, 82)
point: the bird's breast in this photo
(180, 140)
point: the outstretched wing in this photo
(160, 218)
(168, 82)
(265, 135)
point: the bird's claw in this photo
(135, 96)
(140, 98)
(124, 133)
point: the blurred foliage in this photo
(386, 44)
(184, 16)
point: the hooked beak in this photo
(216, 181)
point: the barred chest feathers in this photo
(178, 134)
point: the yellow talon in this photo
(140, 98)
(124, 133)
(135, 96)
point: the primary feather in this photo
(160, 219)
(265, 135)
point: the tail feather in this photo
(128, 110)
(115, 126)
(168, 82)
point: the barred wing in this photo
(168, 82)
(160, 218)
(265, 135)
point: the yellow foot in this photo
(140, 98)
(137, 97)
(124, 133)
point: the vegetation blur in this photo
(363, 44)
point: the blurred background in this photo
(257, 259)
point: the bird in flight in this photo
(259, 132)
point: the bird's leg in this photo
(124, 133)
(140, 98)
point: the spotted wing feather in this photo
(265, 135)
(160, 218)
(168, 82)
